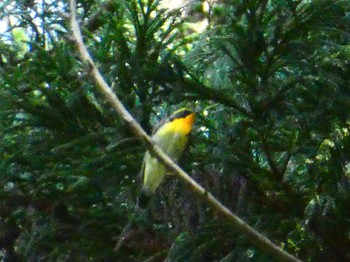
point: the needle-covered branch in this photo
(255, 237)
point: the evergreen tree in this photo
(269, 81)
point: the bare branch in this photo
(254, 236)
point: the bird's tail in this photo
(144, 198)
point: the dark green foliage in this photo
(270, 83)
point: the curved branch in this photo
(254, 236)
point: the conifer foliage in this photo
(269, 81)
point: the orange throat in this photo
(185, 124)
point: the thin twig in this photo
(122, 236)
(254, 236)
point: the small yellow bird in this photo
(172, 137)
